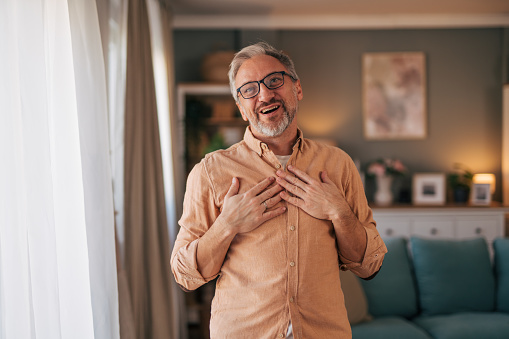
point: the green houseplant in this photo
(460, 182)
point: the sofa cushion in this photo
(453, 275)
(392, 291)
(501, 246)
(490, 325)
(388, 328)
(355, 299)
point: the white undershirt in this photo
(283, 159)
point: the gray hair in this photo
(260, 48)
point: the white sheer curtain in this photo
(57, 255)
(116, 58)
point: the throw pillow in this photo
(392, 291)
(453, 276)
(355, 299)
(501, 246)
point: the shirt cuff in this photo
(373, 257)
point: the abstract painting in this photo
(394, 95)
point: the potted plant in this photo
(460, 182)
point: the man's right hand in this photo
(245, 212)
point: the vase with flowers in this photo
(384, 170)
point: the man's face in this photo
(272, 110)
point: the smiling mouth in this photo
(270, 109)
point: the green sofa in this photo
(442, 289)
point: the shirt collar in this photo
(260, 147)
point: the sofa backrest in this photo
(453, 275)
(501, 247)
(392, 291)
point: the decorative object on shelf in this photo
(485, 178)
(383, 195)
(215, 66)
(483, 187)
(460, 182)
(394, 95)
(481, 194)
(384, 170)
(429, 189)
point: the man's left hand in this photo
(321, 199)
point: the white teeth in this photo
(270, 109)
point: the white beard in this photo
(290, 109)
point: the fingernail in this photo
(272, 178)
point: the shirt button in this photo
(281, 335)
(278, 166)
(291, 299)
(292, 263)
(292, 228)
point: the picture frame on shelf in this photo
(429, 189)
(481, 194)
(394, 95)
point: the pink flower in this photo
(382, 167)
(377, 169)
(398, 166)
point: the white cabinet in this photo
(445, 222)
(393, 226)
(433, 227)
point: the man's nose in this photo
(265, 94)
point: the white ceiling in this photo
(295, 14)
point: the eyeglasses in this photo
(271, 81)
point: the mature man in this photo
(275, 216)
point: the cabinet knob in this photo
(389, 231)
(478, 230)
(434, 231)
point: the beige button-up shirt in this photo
(288, 267)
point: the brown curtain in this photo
(179, 308)
(147, 262)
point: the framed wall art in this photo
(429, 189)
(394, 96)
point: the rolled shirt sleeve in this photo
(373, 257)
(199, 214)
(375, 247)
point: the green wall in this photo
(464, 89)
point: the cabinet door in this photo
(435, 228)
(393, 226)
(479, 226)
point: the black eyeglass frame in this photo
(283, 73)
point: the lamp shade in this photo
(485, 178)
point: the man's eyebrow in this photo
(247, 82)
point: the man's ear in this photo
(298, 88)
(244, 117)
